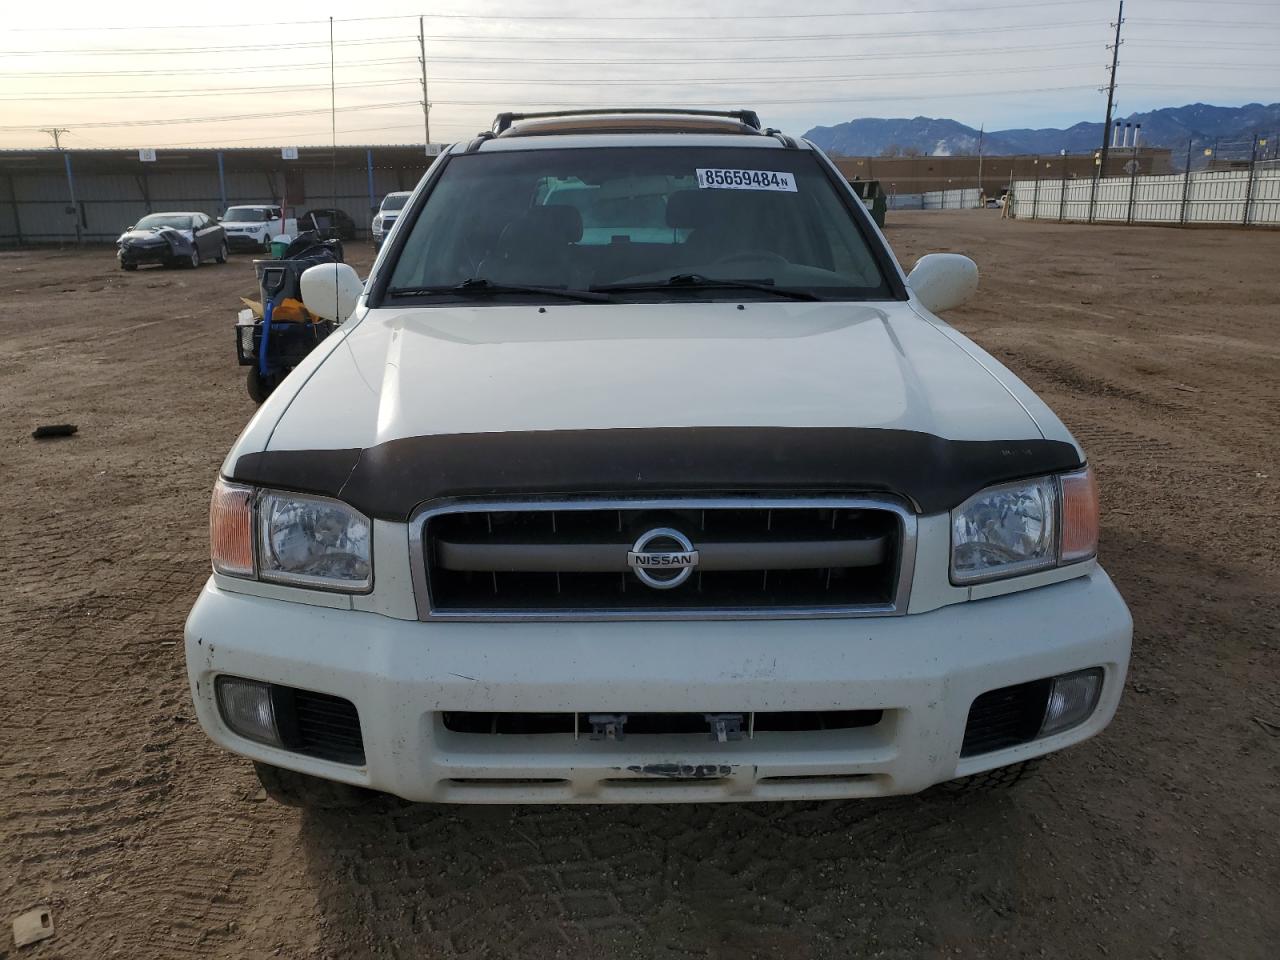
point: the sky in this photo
(239, 73)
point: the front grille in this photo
(654, 724)
(318, 725)
(1005, 718)
(754, 557)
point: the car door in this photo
(200, 234)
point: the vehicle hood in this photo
(152, 234)
(416, 372)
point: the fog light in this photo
(1071, 700)
(246, 708)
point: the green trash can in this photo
(873, 197)
(278, 247)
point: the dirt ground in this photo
(1159, 348)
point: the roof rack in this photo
(503, 121)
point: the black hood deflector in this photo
(390, 480)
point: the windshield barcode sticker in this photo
(716, 179)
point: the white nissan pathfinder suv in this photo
(639, 471)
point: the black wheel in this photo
(128, 266)
(194, 261)
(300, 790)
(222, 253)
(1001, 778)
(259, 387)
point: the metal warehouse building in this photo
(57, 196)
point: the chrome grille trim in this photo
(897, 607)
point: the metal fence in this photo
(1248, 196)
(964, 199)
(90, 196)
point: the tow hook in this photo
(724, 726)
(607, 726)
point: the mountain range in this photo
(1171, 127)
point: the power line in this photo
(534, 81)
(852, 98)
(220, 119)
(1201, 44)
(866, 35)
(186, 51)
(842, 58)
(463, 38)
(858, 98)
(206, 92)
(1030, 4)
(204, 71)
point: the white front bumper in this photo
(923, 670)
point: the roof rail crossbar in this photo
(479, 138)
(787, 141)
(503, 121)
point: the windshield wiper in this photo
(699, 282)
(480, 287)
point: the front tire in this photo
(194, 261)
(310, 793)
(222, 253)
(991, 781)
(124, 265)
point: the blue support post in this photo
(71, 189)
(222, 183)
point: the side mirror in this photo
(941, 281)
(331, 290)
(219, 219)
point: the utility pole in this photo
(426, 101)
(1111, 93)
(56, 133)
(981, 130)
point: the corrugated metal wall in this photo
(951, 199)
(1217, 196)
(36, 205)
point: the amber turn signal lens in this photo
(231, 529)
(1079, 516)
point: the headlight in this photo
(1018, 528)
(313, 542)
(290, 538)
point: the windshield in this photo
(395, 201)
(251, 214)
(601, 218)
(152, 221)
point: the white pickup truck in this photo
(253, 226)
(639, 471)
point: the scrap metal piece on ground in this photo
(32, 927)
(54, 430)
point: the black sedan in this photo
(329, 223)
(172, 240)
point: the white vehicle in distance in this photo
(387, 213)
(639, 471)
(252, 227)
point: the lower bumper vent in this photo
(1006, 717)
(318, 725)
